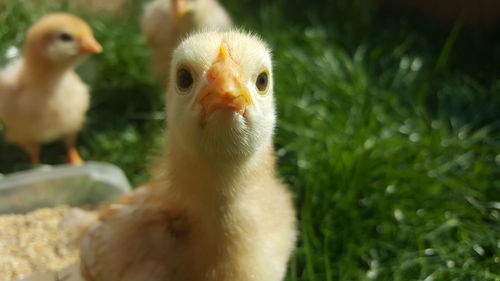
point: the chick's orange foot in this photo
(74, 157)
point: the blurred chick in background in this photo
(42, 99)
(166, 22)
(216, 210)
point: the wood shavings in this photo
(40, 241)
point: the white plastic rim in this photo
(49, 186)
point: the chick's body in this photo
(37, 115)
(42, 99)
(215, 210)
(166, 22)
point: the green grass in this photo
(388, 133)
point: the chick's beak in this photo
(88, 45)
(224, 89)
(181, 7)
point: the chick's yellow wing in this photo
(132, 241)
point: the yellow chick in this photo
(216, 210)
(166, 22)
(42, 99)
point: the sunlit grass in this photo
(388, 133)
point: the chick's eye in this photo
(184, 79)
(262, 81)
(65, 37)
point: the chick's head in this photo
(61, 38)
(183, 8)
(220, 96)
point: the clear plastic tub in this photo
(51, 186)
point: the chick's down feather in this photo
(215, 210)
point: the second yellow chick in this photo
(166, 22)
(42, 99)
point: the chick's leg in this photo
(34, 153)
(73, 155)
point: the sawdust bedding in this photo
(40, 241)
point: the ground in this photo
(388, 132)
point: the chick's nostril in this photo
(229, 95)
(211, 76)
(215, 72)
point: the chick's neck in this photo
(41, 72)
(208, 186)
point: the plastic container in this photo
(51, 186)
